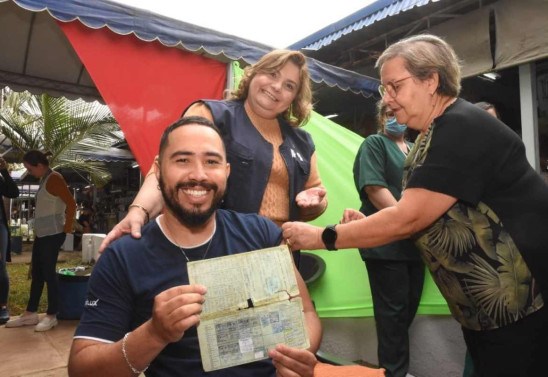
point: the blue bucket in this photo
(72, 295)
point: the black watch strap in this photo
(329, 237)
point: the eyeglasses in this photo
(391, 87)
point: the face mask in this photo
(394, 128)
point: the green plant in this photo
(20, 283)
(67, 129)
(15, 231)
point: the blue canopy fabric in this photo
(363, 18)
(149, 26)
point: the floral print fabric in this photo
(474, 261)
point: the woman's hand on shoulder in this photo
(131, 224)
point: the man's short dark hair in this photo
(184, 121)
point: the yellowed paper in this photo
(251, 305)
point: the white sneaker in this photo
(23, 320)
(47, 323)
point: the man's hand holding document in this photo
(252, 304)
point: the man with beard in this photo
(141, 311)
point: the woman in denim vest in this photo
(273, 162)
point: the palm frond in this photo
(63, 127)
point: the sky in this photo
(278, 23)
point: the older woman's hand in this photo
(350, 215)
(292, 362)
(302, 236)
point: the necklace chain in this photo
(183, 250)
(203, 257)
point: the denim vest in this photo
(250, 157)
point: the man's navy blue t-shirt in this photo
(131, 272)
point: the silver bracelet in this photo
(136, 371)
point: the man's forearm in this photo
(90, 358)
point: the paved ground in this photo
(26, 353)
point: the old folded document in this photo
(251, 305)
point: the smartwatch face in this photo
(329, 236)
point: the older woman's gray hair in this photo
(425, 55)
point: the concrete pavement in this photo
(26, 353)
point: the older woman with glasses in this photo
(475, 207)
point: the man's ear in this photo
(156, 165)
(227, 170)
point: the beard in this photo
(194, 217)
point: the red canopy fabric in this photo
(146, 85)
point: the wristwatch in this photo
(329, 236)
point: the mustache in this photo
(193, 184)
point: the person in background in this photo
(274, 169)
(8, 189)
(54, 217)
(395, 270)
(489, 107)
(144, 312)
(86, 219)
(84, 224)
(475, 207)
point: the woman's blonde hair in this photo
(424, 55)
(299, 111)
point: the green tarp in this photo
(343, 290)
